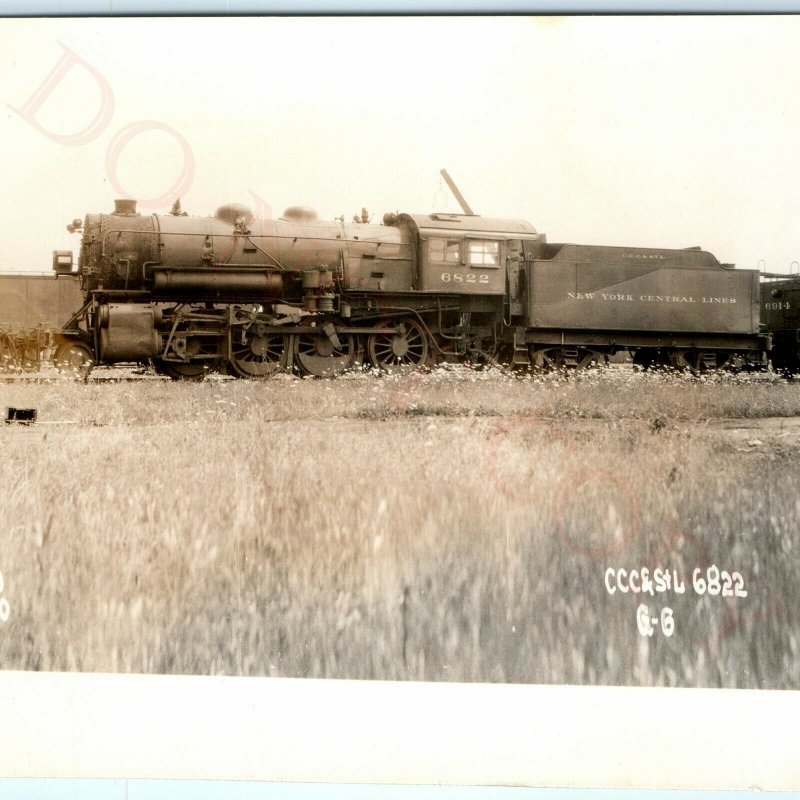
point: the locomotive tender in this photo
(255, 297)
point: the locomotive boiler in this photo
(254, 297)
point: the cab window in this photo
(483, 252)
(444, 251)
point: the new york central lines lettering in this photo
(650, 298)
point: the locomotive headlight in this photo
(62, 262)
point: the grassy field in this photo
(450, 526)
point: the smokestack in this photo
(124, 207)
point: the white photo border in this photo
(64, 725)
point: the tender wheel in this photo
(659, 360)
(315, 354)
(699, 362)
(785, 367)
(589, 358)
(784, 359)
(182, 371)
(406, 347)
(257, 354)
(644, 359)
(557, 358)
(75, 357)
(549, 360)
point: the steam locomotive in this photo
(257, 296)
(780, 314)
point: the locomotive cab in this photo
(465, 253)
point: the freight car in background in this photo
(254, 297)
(34, 308)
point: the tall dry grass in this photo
(453, 526)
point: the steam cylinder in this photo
(127, 332)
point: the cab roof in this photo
(468, 223)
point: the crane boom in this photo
(454, 189)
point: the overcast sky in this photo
(650, 131)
